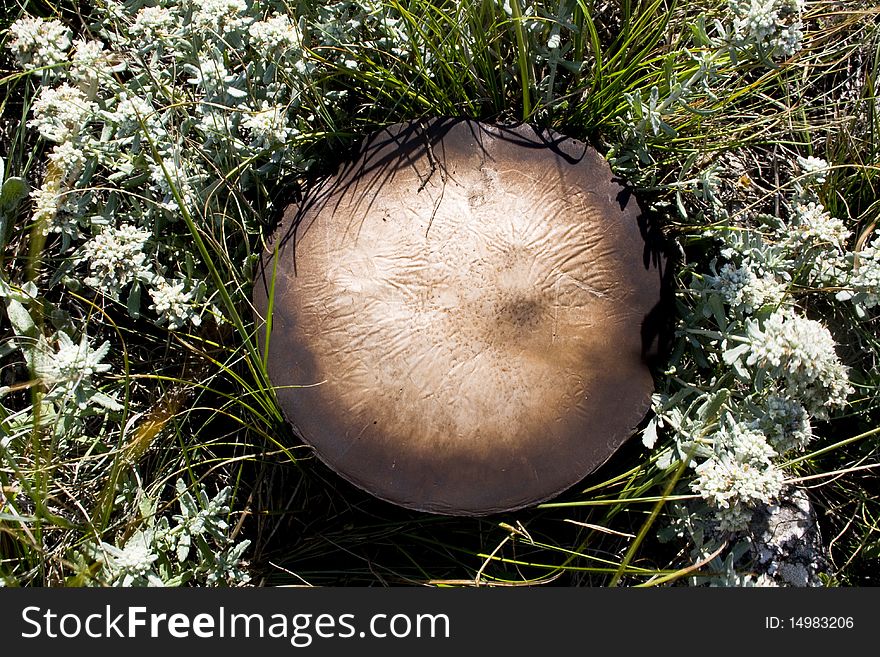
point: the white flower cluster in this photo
(173, 305)
(90, 61)
(132, 561)
(153, 22)
(47, 199)
(192, 546)
(814, 168)
(218, 127)
(116, 258)
(67, 156)
(773, 27)
(59, 113)
(219, 16)
(746, 442)
(54, 205)
(862, 283)
(39, 42)
(801, 352)
(213, 77)
(268, 126)
(739, 475)
(172, 174)
(786, 424)
(216, 83)
(130, 113)
(277, 32)
(744, 290)
(785, 368)
(812, 224)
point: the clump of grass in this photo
(140, 442)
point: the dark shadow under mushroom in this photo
(458, 316)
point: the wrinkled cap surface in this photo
(458, 314)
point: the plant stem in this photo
(525, 73)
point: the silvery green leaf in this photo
(134, 301)
(667, 129)
(653, 98)
(20, 318)
(234, 554)
(195, 72)
(717, 306)
(155, 581)
(711, 409)
(7, 348)
(108, 402)
(13, 191)
(734, 354)
(184, 544)
(666, 459)
(649, 434)
(147, 506)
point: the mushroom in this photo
(457, 317)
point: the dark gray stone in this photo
(787, 541)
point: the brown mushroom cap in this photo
(457, 316)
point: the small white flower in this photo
(748, 444)
(59, 113)
(153, 22)
(212, 76)
(47, 200)
(116, 258)
(744, 290)
(789, 40)
(90, 62)
(39, 42)
(277, 32)
(55, 210)
(554, 41)
(772, 26)
(131, 113)
(734, 518)
(173, 173)
(786, 424)
(814, 168)
(738, 476)
(813, 224)
(268, 126)
(831, 268)
(68, 369)
(862, 282)
(725, 481)
(132, 561)
(136, 559)
(219, 16)
(173, 305)
(220, 129)
(801, 351)
(67, 156)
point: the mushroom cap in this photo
(458, 314)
